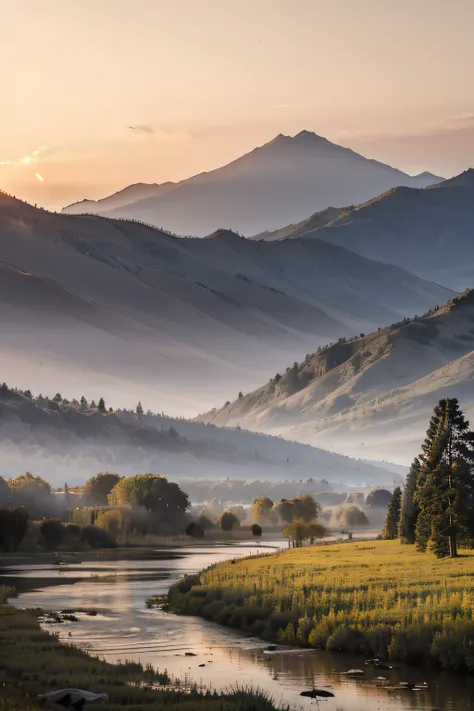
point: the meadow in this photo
(377, 598)
(33, 661)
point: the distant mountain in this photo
(273, 185)
(428, 231)
(121, 310)
(127, 196)
(52, 438)
(371, 396)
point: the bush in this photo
(195, 530)
(13, 528)
(378, 497)
(256, 530)
(97, 537)
(52, 532)
(228, 521)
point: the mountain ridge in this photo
(373, 393)
(292, 176)
(99, 293)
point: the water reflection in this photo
(126, 629)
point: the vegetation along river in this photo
(125, 629)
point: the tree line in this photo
(435, 511)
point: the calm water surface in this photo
(125, 629)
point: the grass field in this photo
(33, 661)
(377, 598)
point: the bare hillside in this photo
(371, 396)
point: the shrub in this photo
(97, 537)
(52, 532)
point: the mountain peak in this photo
(305, 135)
(464, 180)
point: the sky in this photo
(99, 94)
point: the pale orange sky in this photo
(204, 81)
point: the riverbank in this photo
(377, 598)
(33, 661)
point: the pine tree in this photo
(139, 408)
(390, 530)
(83, 402)
(101, 406)
(445, 486)
(408, 510)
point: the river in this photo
(124, 629)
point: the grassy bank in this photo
(32, 661)
(378, 598)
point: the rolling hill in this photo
(273, 185)
(428, 231)
(118, 309)
(62, 441)
(371, 396)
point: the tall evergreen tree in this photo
(445, 487)
(408, 510)
(139, 408)
(390, 530)
(101, 405)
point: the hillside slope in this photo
(428, 231)
(292, 176)
(92, 305)
(372, 396)
(59, 440)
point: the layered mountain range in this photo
(277, 183)
(371, 394)
(428, 231)
(107, 307)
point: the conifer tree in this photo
(139, 409)
(101, 406)
(408, 510)
(83, 402)
(445, 487)
(390, 530)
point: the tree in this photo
(93, 405)
(256, 530)
(83, 403)
(261, 509)
(408, 510)
(378, 497)
(58, 397)
(228, 521)
(13, 528)
(97, 488)
(299, 531)
(139, 409)
(445, 487)
(284, 511)
(101, 406)
(152, 491)
(195, 530)
(305, 508)
(241, 395)
(350, 515)
(390, 529)
(28, 481)
(112, 521)
(52, 533)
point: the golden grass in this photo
(375, 597)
